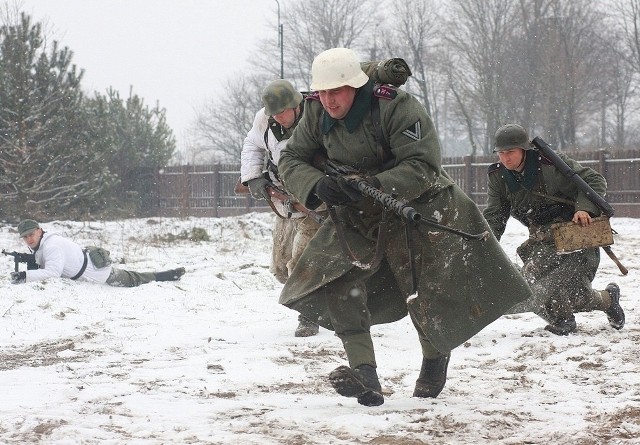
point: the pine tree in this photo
(48, 166)
(134, 141)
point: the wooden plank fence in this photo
(208, 190)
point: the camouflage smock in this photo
(460, 283)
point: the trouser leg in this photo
(305, 229)
(126, 278)
(561, 283)
(433, 370)
(347, 303)
(283, 233)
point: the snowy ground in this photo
(212, 359)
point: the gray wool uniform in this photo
(459, 282)
(561, 282)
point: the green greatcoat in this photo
(561, 283)
(462, 285)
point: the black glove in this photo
(258, 188)
(336, 192)
(18, 277)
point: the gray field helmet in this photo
(27, 226)
(511, 136)
(278, 96)
(335, 68)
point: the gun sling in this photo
(84, 265)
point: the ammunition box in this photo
(569, 236)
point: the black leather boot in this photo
(562, 326)
(615, 314)
(170, 275)
(361, 382)
(306, 327)
(433, 376)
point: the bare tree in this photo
(317, 25)
(311, 26)
(628, 12)
(624, 65)
(567, 55)
(222, 124)
(414, 33)
(478, 34)
(477, 64)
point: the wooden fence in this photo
(208, 190)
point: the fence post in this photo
(186, 192)
(602, 162)
(217, 190)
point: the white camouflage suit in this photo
(290, 235)
(58, 256)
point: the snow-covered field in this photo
(212, 359)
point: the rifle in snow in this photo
(19, 257)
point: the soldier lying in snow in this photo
(58, 256)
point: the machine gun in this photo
(355, 179)
(20, 257)
(407, 213)
(585, 188)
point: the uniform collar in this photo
(279, 131)
(528, 178)
(359, 109)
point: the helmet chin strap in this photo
(297, 114)
(520, 166)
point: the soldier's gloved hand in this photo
(258, 187)
(334, 193)
(18, 277)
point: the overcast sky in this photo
(177, 52)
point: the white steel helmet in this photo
(335, 68)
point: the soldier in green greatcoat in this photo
(529, 187)
(459, 283)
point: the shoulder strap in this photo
(269, 164)
(494, 167)
(384, 150)
(84, 266)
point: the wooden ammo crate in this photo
(569, 236)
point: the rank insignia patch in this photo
(413, 132)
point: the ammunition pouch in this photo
(99, 257)
(540, 233)
(549, 214)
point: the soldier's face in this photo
(337, 102)
(32, 239)
(512, 159)
(287, 118)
